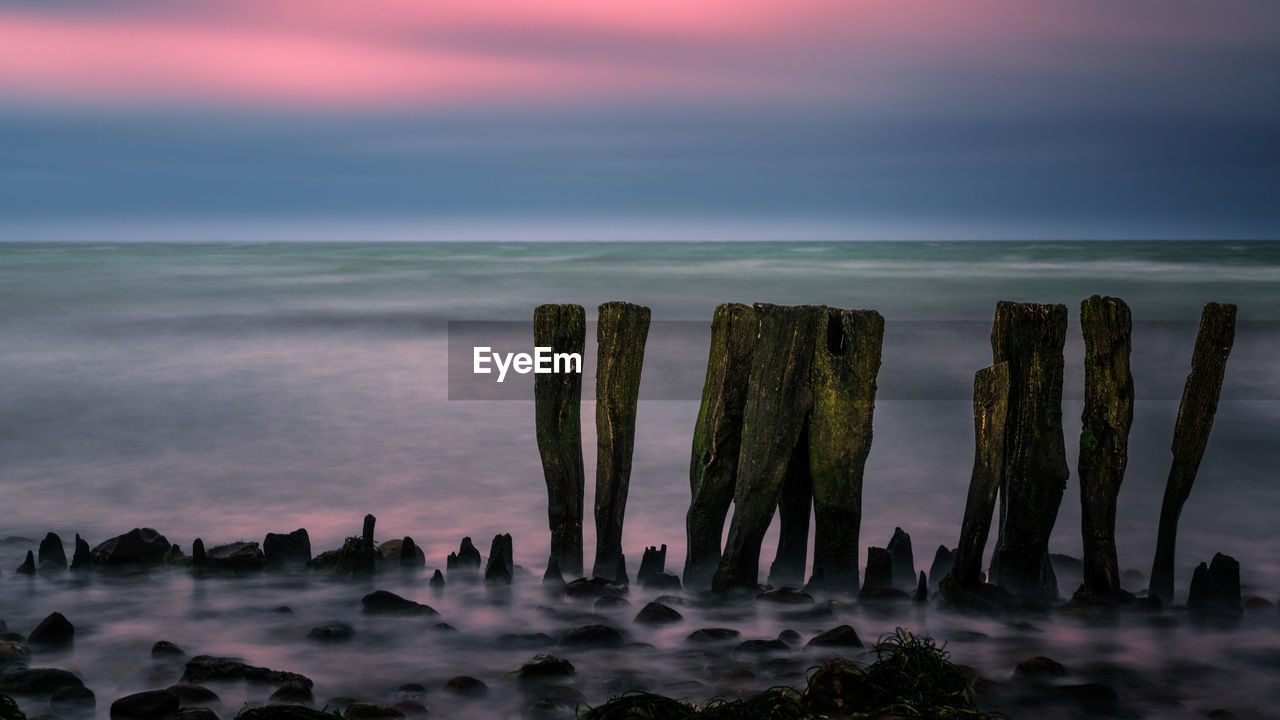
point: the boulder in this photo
(466, 686)
(383, 602)
(592, 636)
(72, 700)
(543, 670)
(292, 694)
(284, 712)
(1040, 667)
(786, 596)
(841, 636)
(194, 713)
(593, 588)
(36, 681)
(210, 668)
(165, 649)
(761, 646)
(662, 581)
(656, 613)
(195, 695)
(291, 551)
(713, 635)
(371, 711)
(13, 652)
(52, 554)
(148, 705)
(332, 632)
(139, 546)
(55, 631)
(237, 556)
(608, 602)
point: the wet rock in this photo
(384, 602)
(837, 637)
(237, 556)
(148, 705)
(790, 637)
(165, 649)
(543, 669)
(592, 636)
(466, 686)
(72, 700)
(82, 557)
(333, 632)
(194, 713)
(839, 688)
(786, 596)
(903, 567)
(609, 602)
(501, 566)
(211, 668)
(879, 567)
(290, 551)
(468, 557)
(195, 695)
(290, 712)
(713, 635)
(1257, 603)
(593, 588)
(371, 711)
(28, 566)
(52, 554)
(662, 581)
(36, 681)
(525, 640)
(292, 694)
(13, 652)
(199, 558)
(139, 546)
(1040, 667)
(55, 631)
(653, 561)
(656, 613)
(1215, 588)
(943, 559)
(761, 646)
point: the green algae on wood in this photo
(558, 413)
(779, 396)
(1106, 324)
(1191, 433)
(843, 379)
(713, 468)
(620, 339)
(1030, 338)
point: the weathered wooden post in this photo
(795, 502)
(620, 339)
(990, 411)
(1191, 433)
(713, 469)
(843, 377)
(1030, 338)
(778, 400)
(558, 409)
(1104, 439)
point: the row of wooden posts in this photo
(785, 426)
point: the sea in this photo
(226, 390)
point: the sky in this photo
(807, 119)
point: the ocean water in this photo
(228, 390)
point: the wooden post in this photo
(558, 410)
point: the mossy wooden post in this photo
(990, 411)
(558, 411)
(1104, 438)
(620, 338)
(713, 469)
(845, 365)
(779, 396)
(1191, 433)
(1030, 338)
(795, 504)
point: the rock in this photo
(779, 398)
(525, 640)
(840, 636)
(558, 411)
(785, 596)
(713, 635)
(713, 468)
(139, 546)
(653, 561)
(662, 581)
(52, 554)
(1040, 667)
(609, 602)
(656, 613)
(148, 705)
(287, 712)
(501, 566)
(383, 602)
(195, 695)
(199, 558)
(290, 551)
(292, 694)
(790, 637)
(36, 681)
(879, 567)
(593, 588)
(839, 688)
(411, 556)
(9, 709)
(466, 686)
(620, 338)
(13, 652)
(468, 556)
(943, 560)
(437, 579)
(1257, 603)
(902, 560)
(922, 590)
(194, 713)
(210, 668)
(371, 711)
(333, 632)
(877, 593)
(1215, 588)
(82, 557)
(55, 631)
(1090, 699)
(1191, 433)
(410, 708)
(72, 700)
(28, 566)
(237, 556)
(543, 669)
(165, 649)
(846, 361)
(761, 646)
(592, 636)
